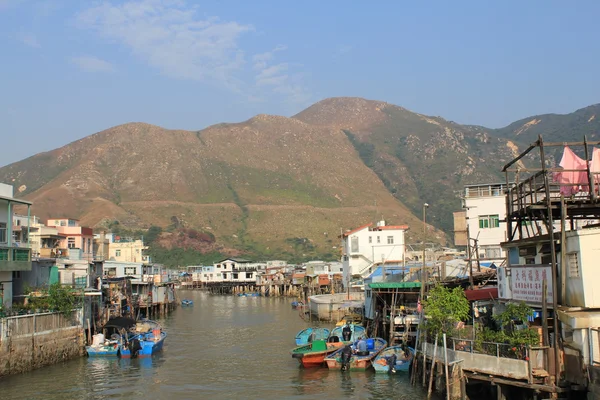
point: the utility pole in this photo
(423, 269)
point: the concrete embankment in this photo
(28, 342)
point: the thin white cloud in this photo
(278, 77)
(29, 39)
(173, 37)
(170, 36)
(92, 64)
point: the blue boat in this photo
(358, 332)
(394, 359)
(103, 348)
(116, 329)
(309, 335)
(187, 303)
(147, 339)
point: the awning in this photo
(490, 293)
(394, 285)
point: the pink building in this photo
(77, 240)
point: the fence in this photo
(490, 348)
(37, 324)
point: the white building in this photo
(14, 257)
(138, 271)
(484, 208)
(367, 245)
(234, 270)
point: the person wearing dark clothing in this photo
(346, 356)
(347, 332)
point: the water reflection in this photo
(223, 347)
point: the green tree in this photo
(62, 298)
(445, 307)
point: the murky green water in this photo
(224, 347)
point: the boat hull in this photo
(103, 351)
(309, 358)
(303, 336)
(149, 345)
(402, 364)
(357, 362)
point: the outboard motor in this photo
(135, 347)
(391, 363)
(346, 356)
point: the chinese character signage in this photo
(526, 283)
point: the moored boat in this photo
(305, 336)
(103, 348)
(358, 361)
(313, 354)
(147, 339)
(187, 303)
(357, 332)
(394, 359)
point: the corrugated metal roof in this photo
(394, 285)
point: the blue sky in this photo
(72, 68)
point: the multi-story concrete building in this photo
(367, 245)
(15, 257)
(78, 240)
(482, 220)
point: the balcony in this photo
(15, 259)
(54, 253)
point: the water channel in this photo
(224, 347)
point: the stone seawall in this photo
(25, 353)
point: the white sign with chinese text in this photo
(526, 283)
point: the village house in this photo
(15, 257)
(76, 239)
(366, 246)
(481, 225)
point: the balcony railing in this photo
(15, 259)
(54, 253)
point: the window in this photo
(83, 245)
(16, 274)
(235, 276)
(378, 239)
(2, 232)
(370, 239)
(390, 239)
(249, 275)
(489, 221)
(118, 253)
(493, 252)
(137, 251)
(71, 242)
(354, 245)
(130, 270)
(89, 244)
(573, 263)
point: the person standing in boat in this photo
(347, 332)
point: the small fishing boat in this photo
(187, 303)
(357, 361)
(147, 339)
(313, 354)
(358, 332)
(308, 335)
(394, 359)
(101, 347)
(296, 304)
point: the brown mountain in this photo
(279, 186)
(261, 185)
